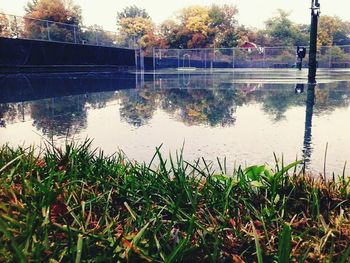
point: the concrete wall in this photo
(28, 54)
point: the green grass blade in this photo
(79, 248)
(345, 257)
(19, 254)
(284, 245)
(257, 244)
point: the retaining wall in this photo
(32, 55)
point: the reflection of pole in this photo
(310, 102)
(315, 12)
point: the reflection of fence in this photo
(28, 28)
(260, 57)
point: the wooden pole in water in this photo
(315, 13)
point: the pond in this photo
(242, 116)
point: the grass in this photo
(77, 205)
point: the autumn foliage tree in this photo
(61, 11)
(202, 26)
(333, 31)
(5, 30)
(136, 29)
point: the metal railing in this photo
(12, 26)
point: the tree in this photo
(96, 35)
(61, 11)
(133, 29)
(224, 25)
(333, 31)
(283, 31)
(195, 22)
(168, 31)
(176, 35)
(201, 26)
(5, 29)
(132, 11)
(136, 29)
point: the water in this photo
(242, 116)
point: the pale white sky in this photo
(251, 12)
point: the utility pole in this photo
(315, 13)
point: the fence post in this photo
(142, 65)
(154, 59)
(96, 37)
(264, 57)
(233, 57)
(136, 59)
(330, 57)
(75, 34)
(142, 68)
(16, 27)
(48, 31)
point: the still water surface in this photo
(245, 120)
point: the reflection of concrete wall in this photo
(19, 54)
(21, 87)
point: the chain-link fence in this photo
(28, 28)
(256, 57)
(208, 58)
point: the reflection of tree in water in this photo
(204, 106)
(4, 108)
(138, 106)
(99, 100)
(59, 116)
(217, 106)
(12, 112)
(331, 96)
(56, 116)
(277, 100)
(193, 107)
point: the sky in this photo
(252, 13)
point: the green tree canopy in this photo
(132, 12)
(283, 31)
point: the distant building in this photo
(250, 45)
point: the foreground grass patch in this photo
(78, 205)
